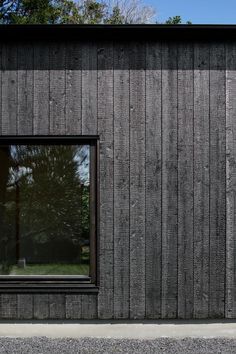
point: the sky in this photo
(196, 11)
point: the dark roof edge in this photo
(118, 32)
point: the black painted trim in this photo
(117, 32)
(48, 139)
(58, 283)
(49, 288)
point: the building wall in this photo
(166, 117)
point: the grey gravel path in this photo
(43, 345)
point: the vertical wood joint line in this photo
(128, 52)
(113, 201)
(49, 89)
(65, 80)
(32, 306)
(33, 77)
(225, 186)
(177, 175)
(97, 79)
(17, 88)
(209, 157)
(81, 91)
(193, 178)
(0, 103)
(145, 168)
(161, 164)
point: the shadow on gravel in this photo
(43, 345)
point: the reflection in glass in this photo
(44, 209)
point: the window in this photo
(47, 212)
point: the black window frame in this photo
(58, 283)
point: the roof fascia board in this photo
(118, 32)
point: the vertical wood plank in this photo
(41, 306)
(9, 89)
(57, 307)
(105, 130)
(185, 180)
(121, 180)
(153, 180)
(230, 305)
(73, 307)
(137, 180)
(41, 89)
(89, 307)
(89, 88)
(169, 181)
(8, 306)
(89, 118)
(24, 306)
(9, 118)
(25, 89)
(217, 180)
(73, 88)
(57, 89)
(201, 180)
(41, 127)
(1, 88)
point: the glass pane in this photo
(44, 210)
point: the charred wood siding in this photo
(166, 117)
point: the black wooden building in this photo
(160, 104)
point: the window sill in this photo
(47, 284)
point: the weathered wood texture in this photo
(230, 301)
(9, 85)
(185, 181)
(105, 118)
(57, 89)
(201, 180)
(89, 75)
(153, 178)
(165, 115)
(25, 89)
(121, 180)
(169, 181)
(1, 88)
(73, 89)
(137, 180)
(41, 90)
(217, 181)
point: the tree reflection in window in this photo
(44, 209)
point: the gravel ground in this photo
(43, 345)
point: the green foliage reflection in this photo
(44, 204)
